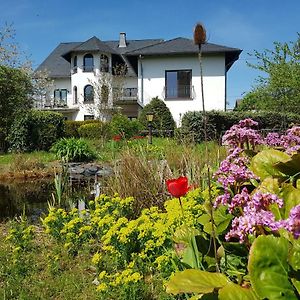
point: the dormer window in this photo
(88, 63)
(104, 63)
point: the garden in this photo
(181, 218)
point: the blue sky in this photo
(246, 24)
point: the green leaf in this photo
(290, 166)
(221, 219)
(263, 163)
(232, 291)
(291, 198)
(296, 284)
(294, 257)
(268, 268)
(195, 281)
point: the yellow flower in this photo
(96, 258)
(102, 287)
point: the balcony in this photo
(178, 92)
(87, 68)
(55, 105)
(129, 94)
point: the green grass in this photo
(36, 274)
(42, 156)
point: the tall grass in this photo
(141, 170)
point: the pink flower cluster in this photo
(242, 135)
(233, 171)
(292, 224)
(289, 141)
(255, 214)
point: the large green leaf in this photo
(268, 268)
(291, 166)
(222, 220)
(189, 255)
(263, 163)
(291, 197)
(269, 185)
(232, 291)
(294, 256)
(195, 281)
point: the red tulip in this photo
(178, 187)
(117, 138)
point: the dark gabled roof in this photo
(55, 64)
(132, 45)
(58, 62)
(93, 45)
(181, 45)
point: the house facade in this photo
(93, 78)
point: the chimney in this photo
(122, 40)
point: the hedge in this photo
(71, 127)
(94, 130)
(218, 122)
(35, 130)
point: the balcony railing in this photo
(129, 94)
(179, 92)
(50, 104)
(88, 68)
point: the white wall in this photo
(81, 79)
(61, 83)
(214, 82)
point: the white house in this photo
(168, 70)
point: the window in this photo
(104, 63)
(88, 63)
(178, 84)
(88, 93)
(75, 96)
(75, 64)
(88, 117)
(60, 96)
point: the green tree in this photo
(162, 120)
(279, 89)
(15, 95)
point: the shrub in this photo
(35, 130)
(121, 125)
(72, 149)
(94, 130)
(162, 119)
(71, 127)
(218, 122)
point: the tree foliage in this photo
(279, 90)
(15, 94)
(162, 120)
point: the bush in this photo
(162, 119)
(75, 150)
(94, 130)
(121, 125)
(35, 130)
(71, 127)
(218, 122)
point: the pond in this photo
(32, 196)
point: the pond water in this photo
(31, 197)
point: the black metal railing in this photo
(181, 91)
(87, 68)
(130, 92)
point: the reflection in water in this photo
(32, 197)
